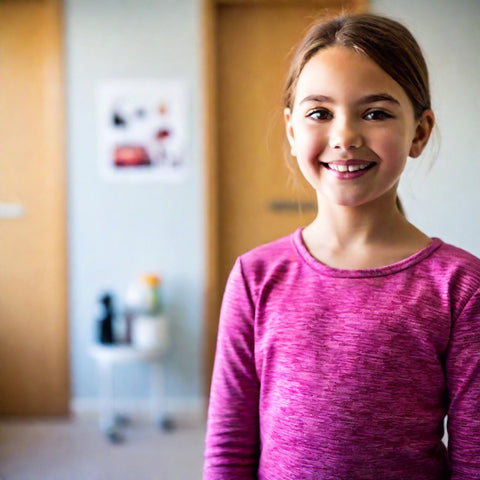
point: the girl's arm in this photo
(463, 383)
(232, 440)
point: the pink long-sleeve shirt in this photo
(322, 373)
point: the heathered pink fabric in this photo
(323, 373)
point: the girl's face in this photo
(352, 127)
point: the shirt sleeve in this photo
(463, 383)
(232, 439)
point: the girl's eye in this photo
(320, 114)
(377, 115)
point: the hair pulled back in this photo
(388, 43)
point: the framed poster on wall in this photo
(142, 129)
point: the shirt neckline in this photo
(370, 272)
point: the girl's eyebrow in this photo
(317, 98)
(376, 97)
(379, 97)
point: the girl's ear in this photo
(422, 133)
(287, 115)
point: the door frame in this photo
(213, 293)
(56, 144)
(57, 150)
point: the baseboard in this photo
(182, 410)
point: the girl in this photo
(343, 346)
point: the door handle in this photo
(291, 206)
(11, 210)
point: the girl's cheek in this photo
(396, 149)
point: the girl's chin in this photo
(355, 201)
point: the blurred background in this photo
(69, 233)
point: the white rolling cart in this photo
(148, 343)
(109, 356)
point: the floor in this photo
(77, 450)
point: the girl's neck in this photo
(363, 237)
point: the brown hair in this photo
(387, 42)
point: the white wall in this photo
(444, 201)
(119, 230)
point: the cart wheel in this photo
(166, 424)
(121, 420)
(113, 435)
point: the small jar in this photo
(149, 325)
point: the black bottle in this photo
(106, 320)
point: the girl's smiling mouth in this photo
(349, 169)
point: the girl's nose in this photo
(344, 135)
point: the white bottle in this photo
(149, 329)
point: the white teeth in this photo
(355, 168)
(347, 168)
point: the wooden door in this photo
(254, 195)
(34, 373)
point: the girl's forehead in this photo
(337, 55)
(338, 70)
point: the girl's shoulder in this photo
(456, 259)
(266, 260)
(267, 251)
(459, 252)
(455, 272)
